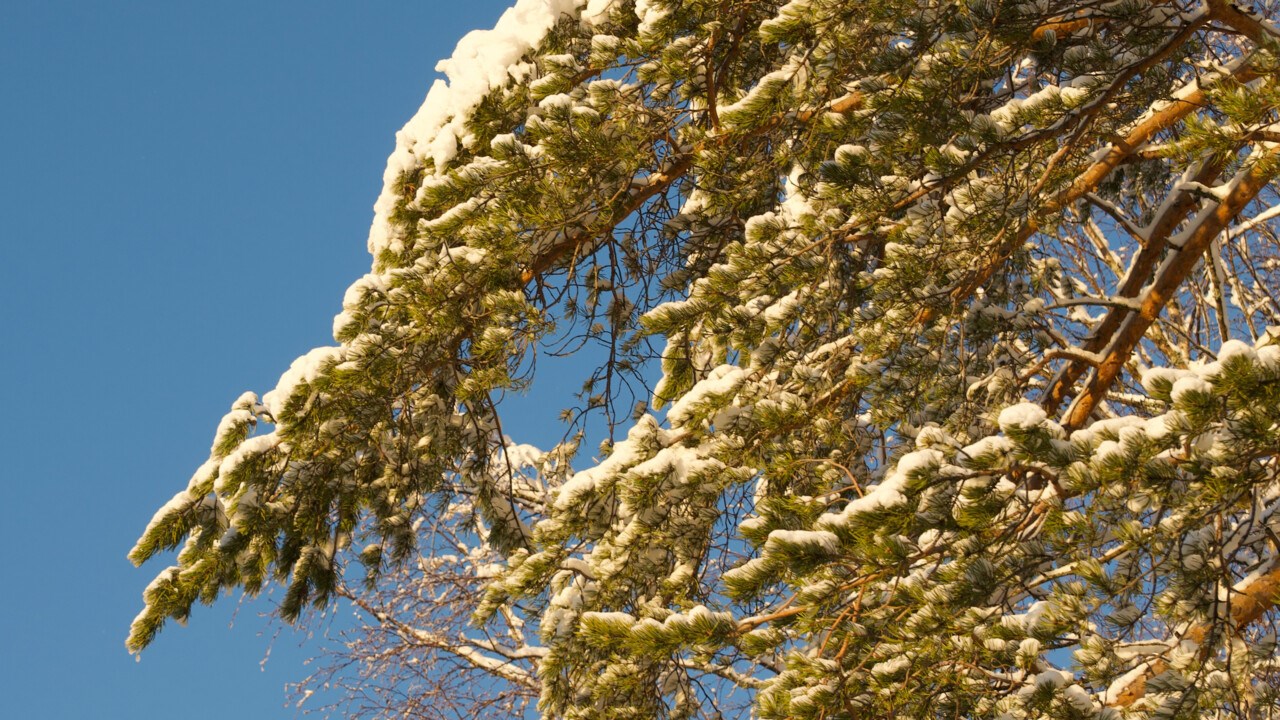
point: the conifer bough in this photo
(952, 333)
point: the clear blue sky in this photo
(186, 192)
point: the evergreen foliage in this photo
(955, 331)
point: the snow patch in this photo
(1021, 416)
(482, 61)
(303, 370)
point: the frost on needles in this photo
(933, 367)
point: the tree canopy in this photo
(933, 358)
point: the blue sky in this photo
(186, 194)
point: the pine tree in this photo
(952, 327)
